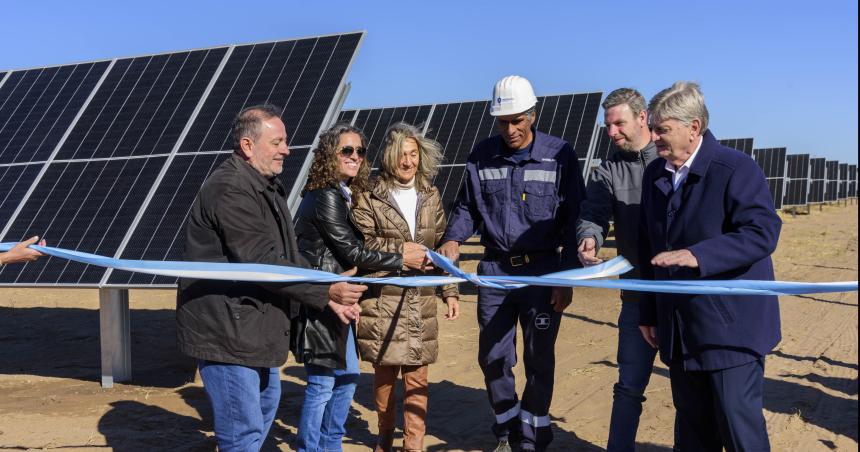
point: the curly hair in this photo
(429, 151)
(324, 168)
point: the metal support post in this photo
(115, 334)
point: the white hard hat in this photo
(512, 95)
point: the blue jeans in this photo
(635, 362)
(328, 396)
(244, 401)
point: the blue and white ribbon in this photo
(583, 277)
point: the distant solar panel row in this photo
(817, 179)
(852, 181)
(744, 145)
(772, 162)
(460, 126)
(107, 157)
(797, 180)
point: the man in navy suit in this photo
(707, 214)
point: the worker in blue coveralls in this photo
(521, 192)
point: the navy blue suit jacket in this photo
(724, 215)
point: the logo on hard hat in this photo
(542, 321)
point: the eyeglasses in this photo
(347, 151)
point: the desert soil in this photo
(50, 397)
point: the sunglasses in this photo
(347, 151)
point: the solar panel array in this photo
(796, 180)
(107, 157)
(843, 181)
(459, 126)
(831, 190)
(817, 180)
(744, 145)
(605, 147)
(852, 181)
(772, 162)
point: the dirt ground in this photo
(50, 396)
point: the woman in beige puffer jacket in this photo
(398, 330)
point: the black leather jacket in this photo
(328, 239)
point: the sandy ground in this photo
(50, 396)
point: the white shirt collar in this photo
(680, 175)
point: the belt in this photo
(516, 258)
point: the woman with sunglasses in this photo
(398, 329)
(328, 239)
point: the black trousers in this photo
(720, 408)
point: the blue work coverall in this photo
(524, 210)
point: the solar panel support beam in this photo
(427, 122)
(589, 156)
(115, 336)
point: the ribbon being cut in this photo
(584, 277)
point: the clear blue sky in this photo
(783, 72)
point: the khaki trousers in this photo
(414, 403)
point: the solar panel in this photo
(817, 180)
(81, 205)
(797, 180)
(772, 163)
(852, 181)
(142, 105)
(605, 147)
(15, 180)
(843, 181)
(831, 190)
(123, 146)
(38, 105)
(460, 126)
(744, 145)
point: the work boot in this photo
(503, 446)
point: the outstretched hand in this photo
(21, 253)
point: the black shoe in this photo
(503, 446)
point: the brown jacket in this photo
(398, 325)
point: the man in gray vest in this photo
(614, 192)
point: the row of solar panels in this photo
(107, 157)
(800, 179)
(793, 179)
